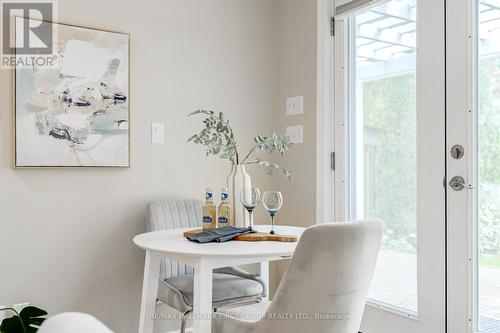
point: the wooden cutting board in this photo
(255, 237)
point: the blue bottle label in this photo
(223, 220)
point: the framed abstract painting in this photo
(75, 113)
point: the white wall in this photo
(66, 235)
(296, 26)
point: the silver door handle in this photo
(458, 184)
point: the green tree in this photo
(489, 155)
(389, 111)
(389, 114)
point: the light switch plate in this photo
(157, 133)
(294, 105)
(295, 133)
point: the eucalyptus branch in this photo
(271, 167)
(217, 136)
(219, 139)
(249, 153)
(250, 162)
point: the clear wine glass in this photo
(272, 202)
(250, 198)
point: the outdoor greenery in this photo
(490, 260)
(219, 138)
(489, 157)
(389, 111)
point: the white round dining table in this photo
(204, 258)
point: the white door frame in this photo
(461, 110)
(431, 100)
(324, 114)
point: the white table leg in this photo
(264, 275)
(149, 292)
(202, 307)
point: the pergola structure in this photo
(386, 37)
(489, 27)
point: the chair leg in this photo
(183, 321)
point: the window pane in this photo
(489, 167)
(383, 142)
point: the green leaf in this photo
(202, 112)
(290, 174)
(31, 312)
(274, 144)
(12, 325)
(30, 315)
(216, 135)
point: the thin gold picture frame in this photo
(14, 112)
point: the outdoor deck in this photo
(400, 289)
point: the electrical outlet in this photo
(294, 105)
(295, 133)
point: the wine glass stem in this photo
(272, 223)
(250, 218)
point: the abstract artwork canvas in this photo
(75, 113)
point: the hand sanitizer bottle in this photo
(225, 209)
(209, 211)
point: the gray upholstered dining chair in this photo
(231, 285)
(324, 288)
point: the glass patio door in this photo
(473, 127)
(390, 151)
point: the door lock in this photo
(457, 152)
(458, 184)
